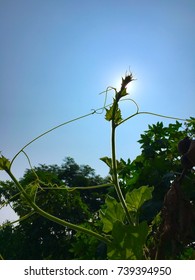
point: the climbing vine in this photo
(126, 234)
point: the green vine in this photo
(50, 217)
(113, 114)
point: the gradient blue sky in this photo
(57, 56)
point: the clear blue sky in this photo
(57, 56)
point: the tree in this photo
(39, 238)
(172, 204)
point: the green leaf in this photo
(108, 115)
(128, 241)
(112, 213)
(118, 116)
(136, 239)
(116, 250)
(136, 198)
(107, 161)
(113, 113)
(4, 163)
(123, 93)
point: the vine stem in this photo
(52, 218)
(94, 111)
(50, 130)
(114, 165)
(71, 189)
(153, 114)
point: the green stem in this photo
(153, 114)
(48, 131)
(163, 116)
(114, 165)
(94, 111)
(53, 218)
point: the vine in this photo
(125, 220)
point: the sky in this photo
(57, 56)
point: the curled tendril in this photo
(132, 100)
(94, 111)
(109, 88)
(125, 81)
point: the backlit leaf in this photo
(128, 241)
(4, 163)
(111, 214)
(110, 114)
(107, 161)
(136, 198)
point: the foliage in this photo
(40, 234)
(138, 212)
(127, 240)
